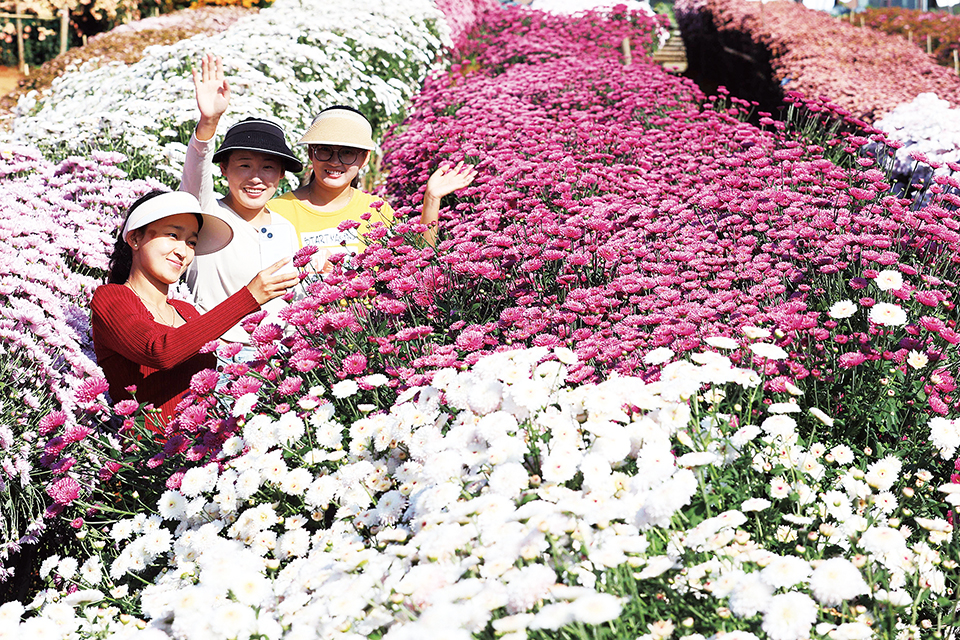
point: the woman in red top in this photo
(141, 338)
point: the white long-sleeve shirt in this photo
(216, 276)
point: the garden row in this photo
(942, 29)
(58, 223)
(396, 468)
(872, 76)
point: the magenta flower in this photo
(64, 491)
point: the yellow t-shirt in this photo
(319, 228)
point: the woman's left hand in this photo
(446, 180)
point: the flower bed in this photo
(864, 72)
(127, 42)
(57, 223)
(943, 29)
(286, 63)
(396, 469)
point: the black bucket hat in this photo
(263, 136)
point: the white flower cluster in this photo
(925, 125)
(500, 496)
(285, 63)
(839, 509)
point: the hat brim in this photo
(215, 234)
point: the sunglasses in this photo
(324, 153)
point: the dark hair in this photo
(121, 260)
(347, 107)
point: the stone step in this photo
(673, 55)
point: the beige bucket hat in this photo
(340, 126)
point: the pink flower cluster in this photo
(865, 72)
(56, 224)
(942, 28)
(462, 16)
(617, 210)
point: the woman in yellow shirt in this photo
(339, 143)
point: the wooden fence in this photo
(18, 18)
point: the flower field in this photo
(285, 63)
(668, 373)
(942, 28)
(863, 74)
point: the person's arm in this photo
(444, 181)
(127, 327)
(213, 98)
(124, 325)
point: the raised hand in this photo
(445, 180)
(213, 94)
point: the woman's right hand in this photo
(268, 284)
(213, 95)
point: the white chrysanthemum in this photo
(485, 396)
(322, 491)
(509, 479)
(697, 459)
(897, 597)
(779, 488)
(344, 389)
(888, 315)
(273, 467)
(768, 351)
(836, 580)
(248, 483)
(376, 380)
(884, 541)
(755, 504)
(296, 481)
(917, 359)
(658, 355)
(882, 474)
(755, 333)
(750, 597)
(553, 616)
(597, 608)
(11, 612)
(67, 568)
(232, 446)
(842, 454)
(722, 342)
(289, 427)
(390, 507)
(945, 435)
(171, 505)
(785, 571)
(790, 616)
(294, 543)
(837, 504)
(889, 280)
(233, 619)
(91, 571)
(821, 415)
(199, 480)
(842, 309)
(244, 404)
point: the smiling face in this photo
(253, 178)
(164, 249)
(331, 172)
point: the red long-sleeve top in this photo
(134, 349)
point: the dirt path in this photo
(9, 78)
